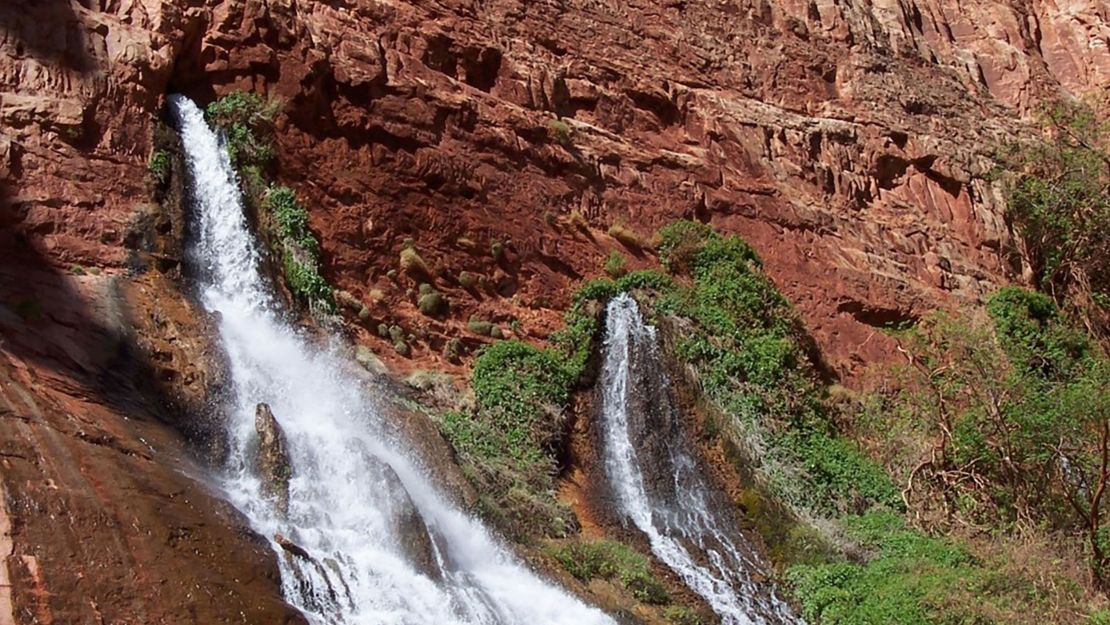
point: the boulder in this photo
(272, 459)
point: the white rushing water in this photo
(357, 502)
(676, 513)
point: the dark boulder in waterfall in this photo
(415, 537)
(272, 460)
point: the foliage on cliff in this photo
(246, 120)
(1058, 191)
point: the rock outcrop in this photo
(272, 462)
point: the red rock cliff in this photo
(846, 140)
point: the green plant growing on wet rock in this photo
(497, 250)
(615, 265)
(158, 167)
(507, 442)
(247, 121)
(299, 249)
(609, 559)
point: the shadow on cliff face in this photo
(97, 335)
(51, 31)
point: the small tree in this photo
(1017, 406)
(1058, 191)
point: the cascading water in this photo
(371, 541)
(656, 484)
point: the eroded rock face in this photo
(846, 141)
(272, 462)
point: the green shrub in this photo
(413, 265)
(681, 615)
(616, 265)
(247, 121)
(479, 326)
(433, 303)
(1058, 196)
(608, 559)
(467, 280)
(306, 283)
(290, 217)
(159, 166)
(911, 580)
(560, 132)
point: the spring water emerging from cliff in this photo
(656, 484)
(376, 543)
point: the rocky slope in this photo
(846, 140)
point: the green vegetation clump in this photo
(1058, 192)
(560, 132)
(681, 615)
(432, 302)
(247, 121)
(508, 442)
(912, 579)
(479, 326)
(412, 264)
(159, 167)
(467, 280)
(615, 265)
(299, 249)
(746, 344)
(1014, 406)
(609, 559)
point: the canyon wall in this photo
(847, 140)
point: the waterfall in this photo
(658, 488)
(369, 540)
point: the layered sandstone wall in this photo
(846, 139)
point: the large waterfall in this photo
(656, 484)
(369, 539)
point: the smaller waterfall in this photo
(657, 485)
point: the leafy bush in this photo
(911, 580)
(615, 265)
(1013, 406)
(608, 559)
(744, 339)
(510, 440)
(247, 121)
(290, 217)
(306, 283)
(159, 166)
(1058, 192)
(560, 132)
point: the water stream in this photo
(658, 488)
(380, 545)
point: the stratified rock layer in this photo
(846, 141)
